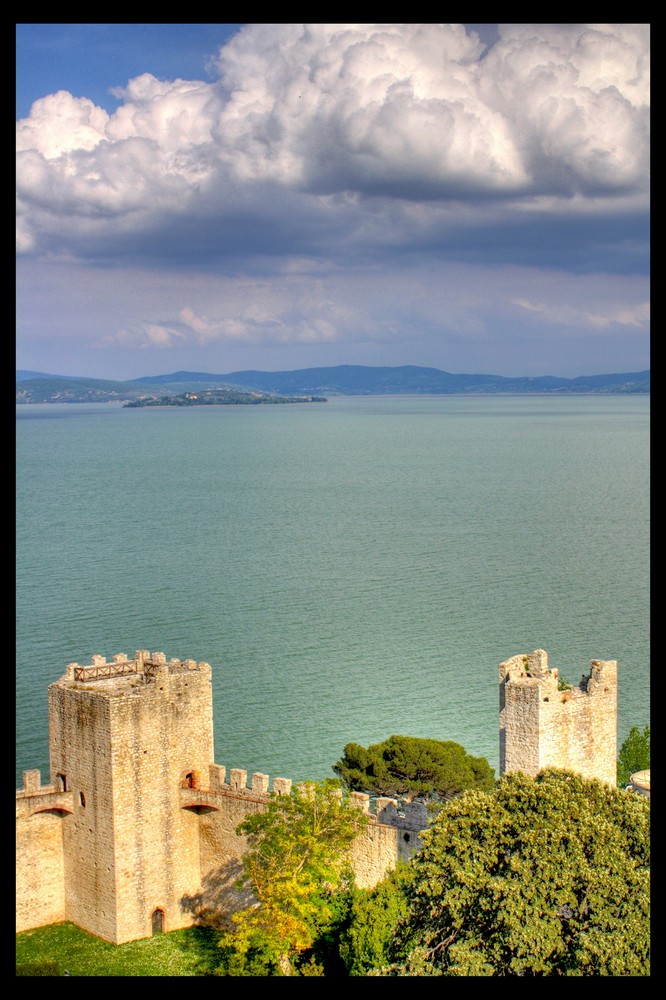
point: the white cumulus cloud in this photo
(411, 112)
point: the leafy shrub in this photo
(412, 767)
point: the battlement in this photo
(198, 790)
(214, 783)
(32, 785)
(34, 797)
(144, 665)
(532, 669)
(548, 722)
(398, 813)
(137, 830)
(138, 821)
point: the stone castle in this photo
(135, 831)
(546, 722)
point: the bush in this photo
(412, 767)
(366, 943)
(545, 876)
(634, 755)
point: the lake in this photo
(351, 570)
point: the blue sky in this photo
(274, 196)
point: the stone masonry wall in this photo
(80, 750)
(137, 821)
(392, 835)
(40, 862)
(124, 743)
(542, 726)
(147, 822)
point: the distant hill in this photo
(61, 389)
(408, 379)
(22, 375)
(348, 380)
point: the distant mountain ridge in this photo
(350, 380)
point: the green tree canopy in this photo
(366, 939)
(634, 755)
(409, 767)
(298, 859)
(544, 876)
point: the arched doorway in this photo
(158, 921)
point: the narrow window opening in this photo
(157, 920)
(82, 799)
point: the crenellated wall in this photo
(136, 830)
(544, 723)
(392, 834)
(40, 856)
(122, 736)
(142, 823)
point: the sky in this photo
(225, 197)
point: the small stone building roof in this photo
(640, 782)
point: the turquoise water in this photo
(350, 570)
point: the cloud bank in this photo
(406, 112)
(317, 148)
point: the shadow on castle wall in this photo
(221, 896)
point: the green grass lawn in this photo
(189, 952)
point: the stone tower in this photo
(125, 737)
(544, 723)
